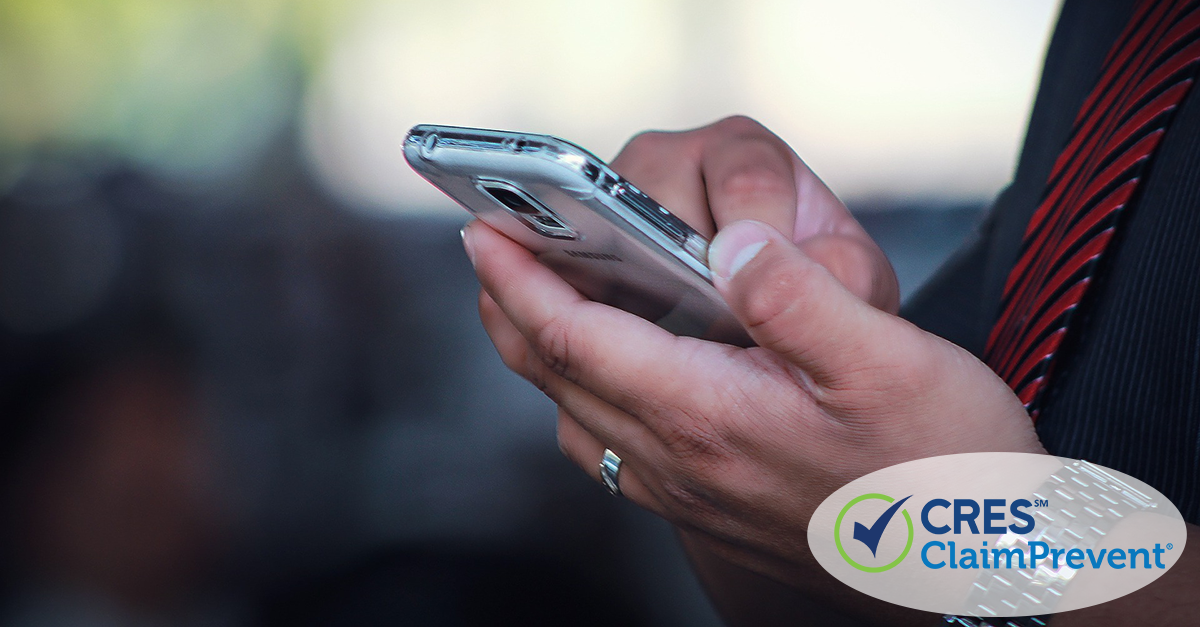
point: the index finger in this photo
(749, 173)
(733, 169)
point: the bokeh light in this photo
(915, 99)
(922, 99)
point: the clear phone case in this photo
(600, 233)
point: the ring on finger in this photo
(610, 470)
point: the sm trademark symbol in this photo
(1041, 502)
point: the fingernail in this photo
(735, 246)
(468, 243)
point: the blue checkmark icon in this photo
(870, 537)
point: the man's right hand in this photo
(736, 169)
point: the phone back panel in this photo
(627, 251)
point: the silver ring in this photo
(610, 469)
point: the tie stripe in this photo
(1146, 74)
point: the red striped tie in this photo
(1145, 76)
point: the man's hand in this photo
(736, 169)
(738, 446)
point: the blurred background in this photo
(241, 377)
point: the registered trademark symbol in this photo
(1170, 546)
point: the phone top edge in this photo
(536, 144)
(635, 207)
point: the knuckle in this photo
(575, 454)
(515, 358)
(695, 441)
(776, 298)
(554, 347)
(690, 498)
(536, 374)
(739, 125)
(786, 385)
(650, 157)
(756, 180)
(646, 144)
(859, 265)
(855, 255)
(565, 447)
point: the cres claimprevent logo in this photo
(996, 534)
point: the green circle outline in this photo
(837, 534)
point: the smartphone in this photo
(597, 231)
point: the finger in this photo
(601, 419)
(586, 451)
(753, 174)
(605, 422)
(650, 440)
(579, 411)
(667, 167)
(794, 306)
(859, 264)
(509, 343)
(749, 174)
(617, 356)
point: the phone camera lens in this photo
(512, 200)
(546, 220)
(531, 212)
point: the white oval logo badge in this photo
(997, 534)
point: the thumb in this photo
(793, 305)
